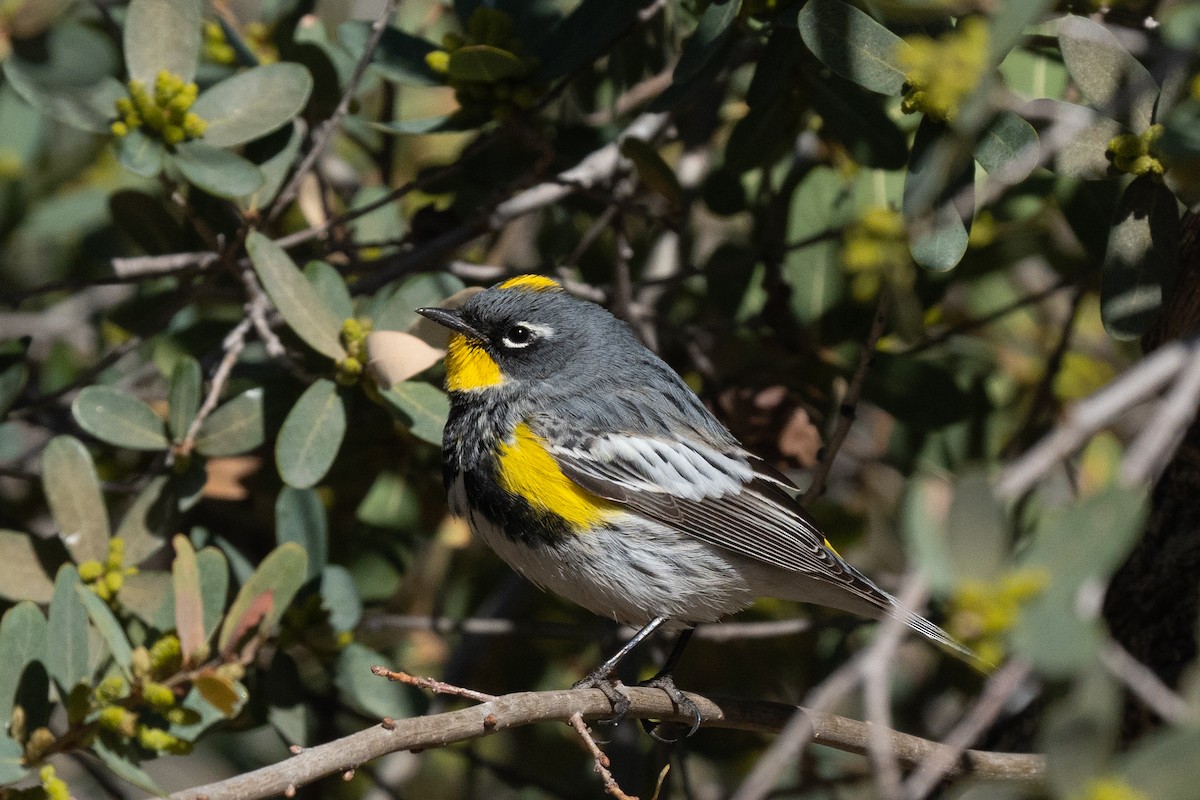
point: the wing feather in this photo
(726, 499)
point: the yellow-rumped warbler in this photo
(589, 466)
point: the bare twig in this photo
(848, 405)
(514, 710)
(602, 763)
(1149, 688)
(999, 688)
(234, 343)
(325, 132)
(432, 685)
(1150, 453)
(1136, 385)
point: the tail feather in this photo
(943, 640)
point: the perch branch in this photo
(515, 710)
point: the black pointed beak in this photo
(451, 318)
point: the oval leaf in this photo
(67, 634)
(1008, 148)
(189, 606)
(420, 406)
(253, 103)
(110, 630)
(235, 427)
(484, 63)
(23, 577)
(295, 297)
(22, 641)
(1141, 258)
(300, 518)
(216, 171)
(119, 418)
(185, 396)
(147, 521)
(90, 109)
(1107, 74)
(140, 154)
(279, 577)
(73, 493)
(311, 435)
(162, 34)
(400, 56)
(852, 44)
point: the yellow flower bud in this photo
(158, 696)
(119, 720)
(438, 61)
(92, 570)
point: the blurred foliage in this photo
(171, 584)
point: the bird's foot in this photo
(681, 701)
(612, 688)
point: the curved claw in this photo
(681, 701)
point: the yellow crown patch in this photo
(532, 283)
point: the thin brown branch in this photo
(602, 763)
(1148, 687)
(525, 708)
(847, 408)
(432, 685)
(324, 133)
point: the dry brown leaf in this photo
(225, 476)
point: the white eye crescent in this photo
(523, 334)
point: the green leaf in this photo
(585, 33)
(1164, 764)
(485, 63)
(140, 153)
(300, 518)
(162, 34)
(339, 596)
(67, 633)
(253, 103)
(184, 400)
(938, 235)
(1008, 148)
(275, 170)
(331, 287)
(122, 763)
(214, 585)
(73, 493)
(91, 108)
(12, 383)
(422, 407)
(1107, 74)
(394, 309)
(977, 528)
(853, 118)
(110, 629)
(1082, 544)
(12, 756)
(119, 418)
(1079, 732)
(1141, 258)
(295, 297)
(147, 594)
(235, 427)
(707, 41)
(917, 391)
(147, 521)
(311, 435)
(382, 224)
(446, 123)
(852, 44)
(189, 605)
(216, 171)
(22, 641)
(23, 577)
(365, 692)
(278, 577)
(389, 503)
(400, 56)
(652, 169)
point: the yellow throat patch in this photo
(529, 471)
(532, 283)
(469, 367)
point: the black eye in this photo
(518, 336)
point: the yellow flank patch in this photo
(532, 283)
(527, 470)
(832, 549)
(469, 367)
